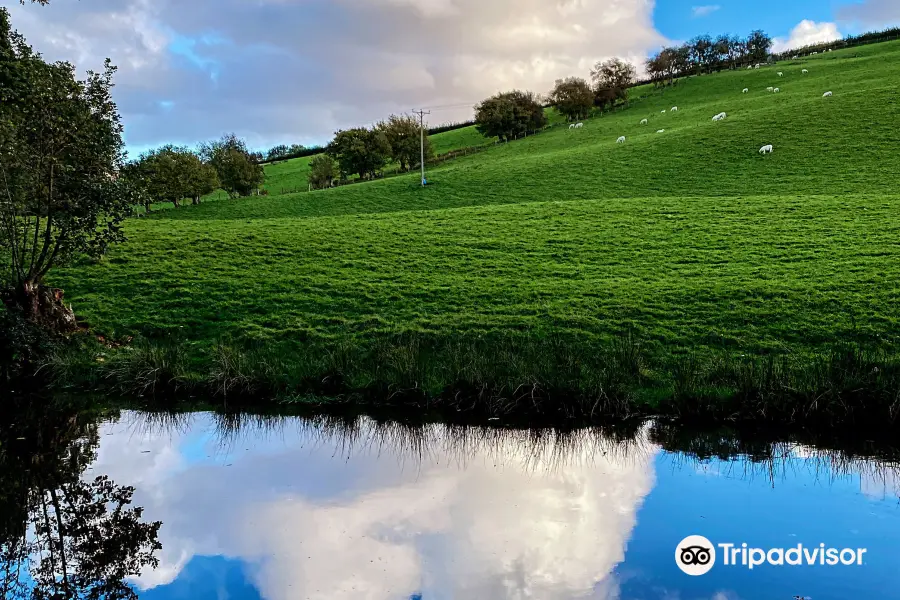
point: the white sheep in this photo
(745, 90)
(780, 74)
(749, 66)
(579, 125)
(769, 89)
(644, 121)
(719, 116)
(660, 131)
(572, 126)
(767, 149)
(621, 140)
(674, 109)
(827, 95)
(663, 111)
(776, 90)
(804, 71)
(756, 67)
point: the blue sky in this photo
(295, 71)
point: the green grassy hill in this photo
(690, 240)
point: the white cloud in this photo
(501, 518)
(296, 70)
(704, 11)
(807, 33)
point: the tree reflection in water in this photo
(63, 536)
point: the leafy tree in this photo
(612, 78)
(572, 97)
(60, 154)
(758, 45)
(509, 115)
(88, 536)
(277, 152)
(172, 173)
(362, 151)
(322, 171)
(238, 169)
(404, 137)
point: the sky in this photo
(295, 71)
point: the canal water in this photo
(283, 508)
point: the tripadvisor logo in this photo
(696, 555)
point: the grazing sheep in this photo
(804, 71)
(674, 109)
(780, 74)
(660, 131)
(767, 149)
(719, 116)
(663, 111)
(769, 89)
(776, 90)
(579, 125)
(749, 66)
(745, 90)
(827, 95)
(621, 140)
(572, 126)
(644, 121)
(756, 67)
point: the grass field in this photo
(689, 240)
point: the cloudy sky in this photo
(294, 71)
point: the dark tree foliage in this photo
(171, 174)
(404, 137)
(360, 151)
(238, 169)
(88, 535)
(322, 171)
(705, 54)
(612, 78)
(510, 114)
(60, 154)
(572, 97)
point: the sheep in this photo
(756, 67)
(579, 125)
(663, 111)
(674, 109)
(767, 149)
(776, 90)
(745, 90)
(780, 74)
(572, 126)
(660, 131)
(749, 66)
(827, 95)
(719, 116)
(644, 121)
(621, 140)
(804, 71)
(769, 89)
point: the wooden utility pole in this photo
(422, 114)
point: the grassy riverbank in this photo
(528, 273)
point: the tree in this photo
(60, 154)
(238, 169)
(702, 53)
(277, 152)
(88, 537)
(612, 78)
(362, 151)
(572, 97)
(404, 137)
(758, 45)
(322, 171)
(509, 115)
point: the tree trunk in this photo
(42, 305)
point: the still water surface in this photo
(290, 508)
